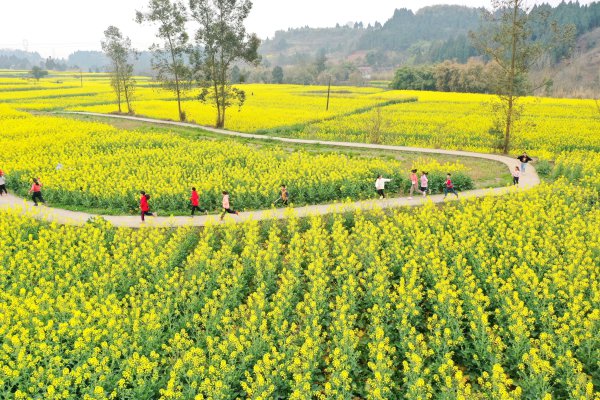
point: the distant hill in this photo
(355, 53)
(580, 75)
(92, 61)
(18, 59)
(432, 34)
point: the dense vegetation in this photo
(430, 35)
(483, 299)
(105, 168)
(411, 118)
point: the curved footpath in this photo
(61, 216)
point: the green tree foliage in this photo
(321, 61)
(37, 73)
(430, 35)
(430, 24)
(508, 39)
(119, 51)
(414, 78)
(221, 40)
(277, 74)
(169, 58)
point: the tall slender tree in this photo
(221, 40)
(169, 59)
(119, 51)
(509, 41)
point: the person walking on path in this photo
(226, 206)
(414, 184)
(424, 183)
(516, 175)
(524, 159)
(144, 206)
(284, 195)
(449, 186)
(195, 201)
(380, 186)
(36, 192)
(2, 183)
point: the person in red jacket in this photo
(36, 190)
(2, 183)
(449, 186)
(144, 206)
(195, 201)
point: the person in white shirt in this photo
(2, 184)
(380, 186)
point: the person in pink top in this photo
(36, 191)
(424, 183)
(414, 183)
(2, 183)
(516, 175)
(226, 206)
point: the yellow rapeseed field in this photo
(439, 120)
(93, 165)
(486, 299)
(494, 298)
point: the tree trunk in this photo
(181, 116)
(218, 103)
(177, 89)
(118, 89)
(116, 84)
(507, 131)
(222, 125)
(125, 89)
(511, 79)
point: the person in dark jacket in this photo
(524, 159)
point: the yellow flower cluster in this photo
(483, 299)
(496, 298)
(94, 165)
(547, 128)
(463, 121)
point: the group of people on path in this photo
(419, 185)
(35, 191)
(195, 203)
(524, 159)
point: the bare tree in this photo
(221, 40)
(169, 59)
(508, 40)
(119, 51)
(376, 126)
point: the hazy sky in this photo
(59, 27)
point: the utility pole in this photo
(328, 93)
(81, 76)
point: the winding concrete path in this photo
(61, 216)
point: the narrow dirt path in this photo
(60, 216)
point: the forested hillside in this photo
(431, 35)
